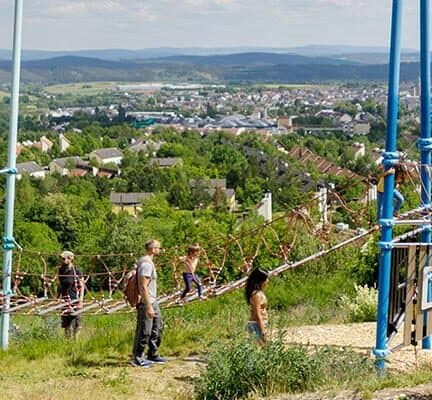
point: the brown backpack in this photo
(131, 289)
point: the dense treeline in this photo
(82, 69)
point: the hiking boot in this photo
(140, 362)
(157, 360)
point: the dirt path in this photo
(173, 381)
(359, 337)
(421, 392)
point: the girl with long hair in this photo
(254, 291)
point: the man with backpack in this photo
(149, 322)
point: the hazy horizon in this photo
(63, 25)
(339, 47)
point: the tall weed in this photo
(362, 307)
(239, 368)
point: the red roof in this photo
(305, 156)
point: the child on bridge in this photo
(190, 263)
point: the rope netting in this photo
(224, 262)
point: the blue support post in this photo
(390, 159)
(8, 239)
(425, 143)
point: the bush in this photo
(43, 329)
(240, 368)
(363, 306)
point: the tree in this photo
(346, 107)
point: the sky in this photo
(138, 24)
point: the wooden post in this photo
(419, 313)
(410, 292)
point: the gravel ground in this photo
(359, 337)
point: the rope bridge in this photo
(227, 261)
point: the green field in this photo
(3, 94)
(288, 85)
(86, 88)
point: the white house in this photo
(264, 208)
(107, 156)
(30, 168)
(359, 150)
(45, 144)
(64, 142)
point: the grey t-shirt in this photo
(146, 268)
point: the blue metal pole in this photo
(390, 159)
(8, 240)
(425, 143)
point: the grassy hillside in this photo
(85, 89)
(42, 363)
(248, 67)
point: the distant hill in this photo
(244, 67)
(331, 50)
(158, 52)
(253, 58)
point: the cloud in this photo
(185, 23)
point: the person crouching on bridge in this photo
(401, 175)
(258, 321)
(71, 290)
(149, 320)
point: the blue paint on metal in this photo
(425, 143)
(385, 245)
(381, 354)
(9, 171)
(390, 158)
(8, 243)
(386, 222)
(427, 228)
(429, 287)
(11, 177)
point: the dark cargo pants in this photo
(148, 332)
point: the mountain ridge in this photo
(157, 52)
(243, 67)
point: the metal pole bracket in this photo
(390, 158)
(381, 354)
(425, 144)
(387, 222)
(10, 171)
(9, 243)
(385, 245)
(427, 228)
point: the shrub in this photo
(42, 329)
(240, 368)
(362, 307)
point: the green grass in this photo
(87, 88)
(39, 357)
(288, 85)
